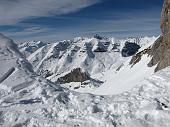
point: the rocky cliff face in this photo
(165, 19)
(160, 50)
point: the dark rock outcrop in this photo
(75, 75)
(115, 47)
(129, 49)
(98, 37)
(102, 46)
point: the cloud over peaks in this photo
(13, 11)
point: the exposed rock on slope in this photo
(76, 75)
(138, 56)
(161, 49)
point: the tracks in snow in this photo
(7, 74)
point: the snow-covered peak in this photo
(28, 48)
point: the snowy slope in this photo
(11, 60)
(126, 78)
(40, 103)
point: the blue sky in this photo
(50, 20)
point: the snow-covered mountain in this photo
(99, 62)
(29, 100)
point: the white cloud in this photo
(13, 11)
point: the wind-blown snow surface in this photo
(126, 78)
(101, 58)
(31, 101)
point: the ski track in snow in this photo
(7, 74)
